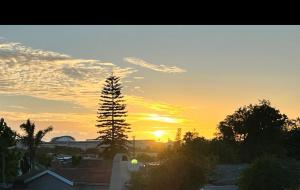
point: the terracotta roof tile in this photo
(85, 175)
(88, 171)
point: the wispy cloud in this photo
(139, 78)
(53, 75)
(158, 106)
(161, 118)
(160, 68)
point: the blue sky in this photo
(217, 69)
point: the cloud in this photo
(138, 78)
(38, 105)
(55, 88)
(53, 75)
(161, 118)
(160, 68)
(16, 52)
(157, 106)
(137, 89)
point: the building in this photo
(84, 145)
(62, 139)
(90, 175)
(68, 141)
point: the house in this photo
(90, 175)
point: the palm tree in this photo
(31, 140)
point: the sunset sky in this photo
(187, 77)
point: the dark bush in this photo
(76, 160)
(271, 173)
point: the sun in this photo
(158, 133)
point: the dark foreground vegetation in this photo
(270, 172)
(259, 135)
(13, 156)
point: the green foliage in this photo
(76, 160)
(44, 159)
(190, 135)
(185, 168)
(12, 158)
(258, 128)
(143, 157)
(138, 180)
(225, 152)
(271, 173)
(178, 140)
(8, 138)
(177, 173)
(111, 118)
(32, 140)
(292, 142)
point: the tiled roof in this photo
(88, 171)
(85, 175)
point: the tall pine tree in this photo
(111, 118)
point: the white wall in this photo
(120, 173)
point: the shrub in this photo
(176, 173)
(76, 160)
(143, 157)
(226, 153)
(269, 172)
(44, 159)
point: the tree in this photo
(177, 142)
(270, 172)
(8, 136)
(32, 141)
(225, 152)
(44, 159)
(258, 128)
(191, 163)
(9, 158)
(76, 160)
(111, 118)
(190, 135)
(143, 157)
(292, 142)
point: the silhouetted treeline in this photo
(12, 156)
(271, 172)
(258, 134)
(184, 166)
(256, 130)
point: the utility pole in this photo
(133, 143)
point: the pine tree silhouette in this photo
(111, 118)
